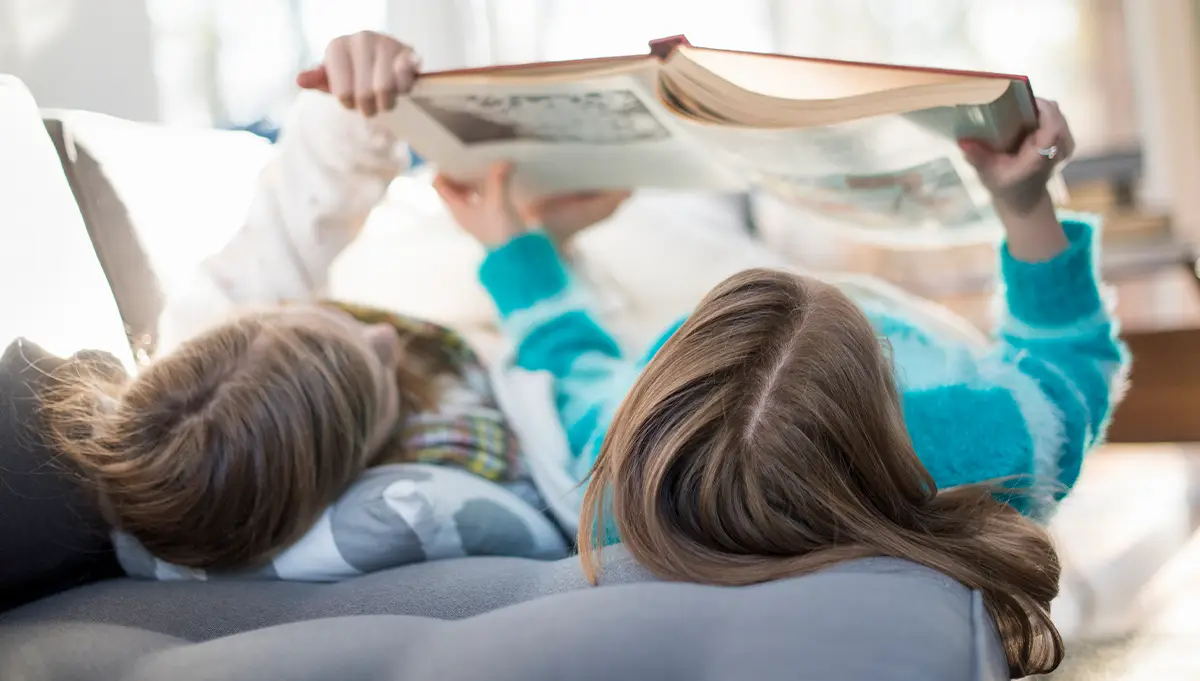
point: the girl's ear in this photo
(385, 342)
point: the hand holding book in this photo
(493, 212)
(1020, 177)
(1018, 181)
(486, 210)
(366, 71)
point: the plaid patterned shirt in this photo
(467, 429)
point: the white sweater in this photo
(331, 168)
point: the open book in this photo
(861, 144)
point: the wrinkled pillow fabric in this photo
(527, 398)
(392, 516)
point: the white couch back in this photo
(52, 288)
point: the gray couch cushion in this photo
(446, 589)
(865, 621)
(495, 619)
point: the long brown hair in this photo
(226, 450)
(766, 440)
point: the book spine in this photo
(981, 123)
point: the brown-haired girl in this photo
(781, 428)
(227, 447)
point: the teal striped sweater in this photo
(1028, 409)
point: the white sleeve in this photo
(331, 168)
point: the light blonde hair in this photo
(766, 440)
(225, 451)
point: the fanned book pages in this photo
(869, 146)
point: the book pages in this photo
(605, 132)
(897, 177)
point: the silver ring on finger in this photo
(1050, 152)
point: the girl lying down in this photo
(779, 428)
(767, 437)
(1025, 413)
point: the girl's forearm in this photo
(1034, 233)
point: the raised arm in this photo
(332, 165)
(548, 319)
(1031, 409)
(543, 312)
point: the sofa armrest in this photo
(125, 262)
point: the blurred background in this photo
(230, 62)
(1126, 73)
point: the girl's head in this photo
(226, 450)
(766, 440)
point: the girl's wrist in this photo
(1021, 201)
(498, 241)
(1032, 228)
(501, 239)
(503, 229)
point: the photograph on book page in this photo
(929, 194)
(607, 132)
(605, 117)
(901, 175)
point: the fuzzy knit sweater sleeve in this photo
(549, 320)
(331, 168)
(1029, 411)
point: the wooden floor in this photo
(1163, 402)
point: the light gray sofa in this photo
(496, 619)
(471, 619)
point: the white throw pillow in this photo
(527, 398)
(391, 516)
